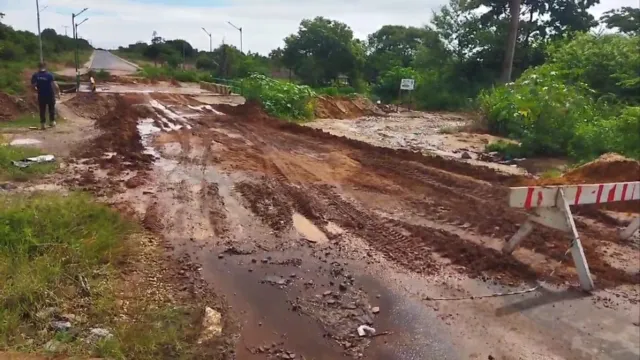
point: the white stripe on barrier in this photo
(545, 196)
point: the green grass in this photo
(10, 172)
(23, 121)
(27, 121)
(551, 174)
(47, 242)
(508, 149)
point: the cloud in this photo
(265, 22)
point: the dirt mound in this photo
(9, 108)
(607, 168)
(328, 107)
(119, 146)
(91, 105)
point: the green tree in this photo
(388, 85)
(321, 50)
(396, 45)
(626, 20)
(608, 64)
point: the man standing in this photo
(47, 88)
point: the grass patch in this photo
(27, 120)
(8, 171)
(49, 245)
(551, 174)
(46, 242)
(23, 121)
(508, 149)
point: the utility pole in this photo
(75, 38)
(65, 30)
(239, 29)
(210, 40)
(39, 32)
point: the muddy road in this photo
(309, 236)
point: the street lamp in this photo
(40, 33)
(75, 37)
(210, 40)
(239, 29)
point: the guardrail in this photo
(550, 206)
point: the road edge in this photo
(127, 61)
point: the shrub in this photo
(550, 117)
(388, 85)
(281, 99)
(539, 110)
(608, 64)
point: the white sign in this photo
(407, 84)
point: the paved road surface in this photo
(104, 60)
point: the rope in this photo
(500, 294)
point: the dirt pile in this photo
(9, 108)
(607, 168)
(119, 146)
(92, 105)
(328, 107)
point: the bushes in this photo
(582, 103)
(608, 64)
(10, 81)
(281, 99)
(167, 73)
(551, 117)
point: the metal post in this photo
(77, 57)
(75, 60)
(74, 27)
(39, 32)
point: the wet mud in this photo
(246, 196)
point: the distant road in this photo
(104, 60)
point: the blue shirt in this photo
(43, 80)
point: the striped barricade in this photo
(550, 206)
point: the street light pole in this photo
(75, 38)
(239, 29)
(210, 40)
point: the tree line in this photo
(468, 45)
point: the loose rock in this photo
(61, 325)
(211, 325)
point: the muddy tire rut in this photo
(239, 179)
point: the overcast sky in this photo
(266, 22)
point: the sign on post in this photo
(407, 84)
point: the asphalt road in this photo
(104, 60)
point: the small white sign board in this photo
(407, 84)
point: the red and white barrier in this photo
(535, 196)
(550, 206)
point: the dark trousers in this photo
(44, 102)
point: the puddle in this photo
(307, 229)
(18, 142)
(146, 129)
